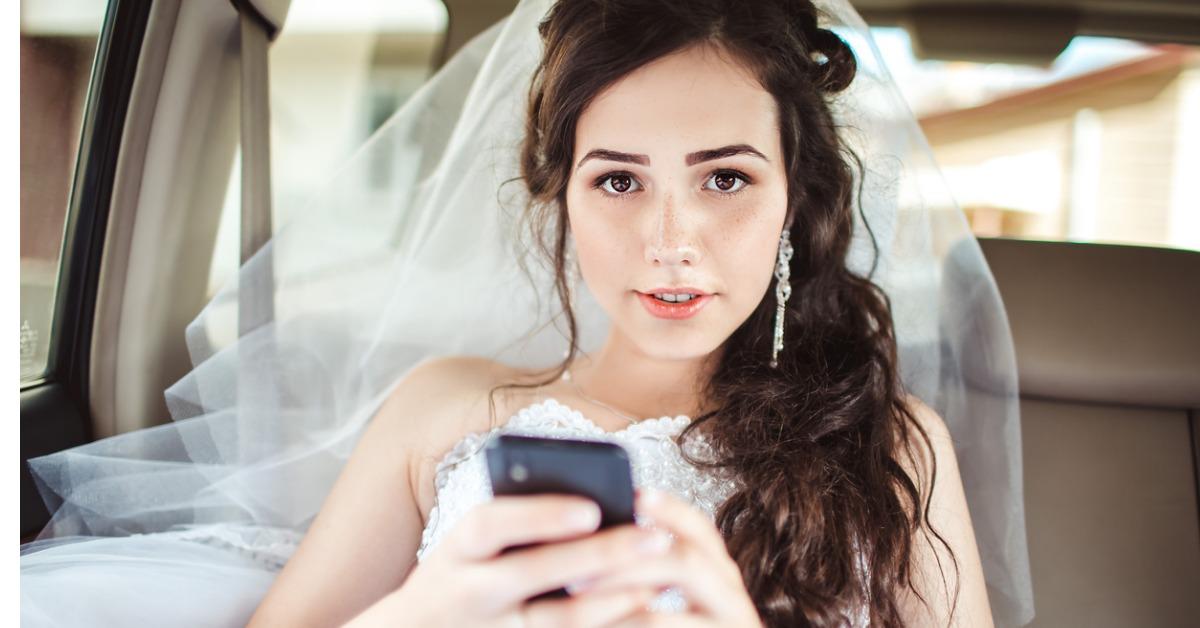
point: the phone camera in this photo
(518, 473)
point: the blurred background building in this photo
(1110, 155)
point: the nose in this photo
(672, 240)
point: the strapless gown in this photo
(216, 574)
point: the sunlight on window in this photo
(1101, 146)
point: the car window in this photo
(337, 72)
(58, 44)
(1103, 145)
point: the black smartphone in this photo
(529, 465)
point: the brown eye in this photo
(727, 181)
(617, 183)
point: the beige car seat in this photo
(1107, 343)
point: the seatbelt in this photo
(255, 303)
(256, 389)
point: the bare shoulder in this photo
(948, 572)
(441, 400)
(927, 417)
(445, 396)
(917, 456)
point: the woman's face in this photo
(678, 182)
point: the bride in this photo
(694, 189)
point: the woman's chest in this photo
(454, 479)
(552, 413)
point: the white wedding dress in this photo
(215, 575)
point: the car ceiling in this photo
(1030, 32)
(989, 31)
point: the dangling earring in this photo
(783, 290)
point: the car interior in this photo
(163, 165)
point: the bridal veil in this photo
(413, 251)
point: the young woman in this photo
(750, 302)
(673, 144)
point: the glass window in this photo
(337, 71)
(58, 43)
(1101, 146)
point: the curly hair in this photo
(825, 519)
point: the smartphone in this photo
(530, 465)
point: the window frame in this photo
(55, 410)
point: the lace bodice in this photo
(461, 477)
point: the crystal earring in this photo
(783, 290)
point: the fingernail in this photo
(585, 517)
(657, 543)
(651, 497)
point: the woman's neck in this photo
(643, 386)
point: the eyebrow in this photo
(691, 159)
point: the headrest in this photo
(1102, 323)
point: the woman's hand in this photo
(697, 563)
(466, 581)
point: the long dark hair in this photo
(815, 442)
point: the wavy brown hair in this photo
(815, 442)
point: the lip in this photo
(674, 311)
(683, 290)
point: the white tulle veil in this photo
(413, 251)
